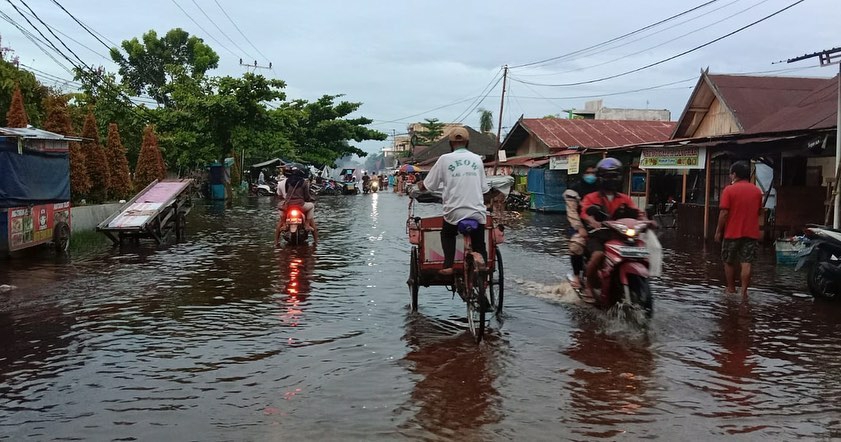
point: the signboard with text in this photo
(574, 163)
(559, 163)
(673, 158)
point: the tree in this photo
(486, 120)
(120, 179)
(321, 132)
(58, 121)
(149, 163)
(431, 132)
(16, 116)
(148, 66)
(33, 93)
(95, 160)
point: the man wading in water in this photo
(738, 226)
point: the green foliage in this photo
(432, 131)
(486, 120)
(32, 91)
(148, 66)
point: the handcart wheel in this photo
(477, 306)
(413, 282)
(61, 237)
(497, 298)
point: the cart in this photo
(427, 259)
(34, 189)
(157, 211)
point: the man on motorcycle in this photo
(578, 241)
(614, 204)
(462, 176)
(366, 180)
(294, 190)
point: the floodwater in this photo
(225, 338)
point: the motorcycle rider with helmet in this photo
(613, 203)
(578, 240)
(295, 190)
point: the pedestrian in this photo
(738, 226)
(400, 181)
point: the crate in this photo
(787, 250)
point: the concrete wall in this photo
(606, 113)
(88, 217)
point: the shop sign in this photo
(676, 158)
(559, 163)
(29, 226)
(574, 163)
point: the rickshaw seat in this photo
(467, 225)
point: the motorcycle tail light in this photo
(294, 213)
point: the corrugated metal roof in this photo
(31, 132)
(558, 133)
(753, 98)
(816, 110)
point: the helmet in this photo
(295, 169)
(609, 174)
(459, 134)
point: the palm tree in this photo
(486, 120)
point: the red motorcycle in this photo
(294, 230)
(624, 273)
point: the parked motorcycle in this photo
(517, 201)
(265, 189)
(821, 259)
(294, 230)
(624, 273)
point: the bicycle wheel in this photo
(500, 283)
(477, 303)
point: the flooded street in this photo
(225, 338)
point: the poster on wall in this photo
(674, 158)
(574, 163)
(559, 163)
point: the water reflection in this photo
(295, 266)
(455, 396)
(610, 392)
(735, 367)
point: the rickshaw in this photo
(480, 287)
(348, 182)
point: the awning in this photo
(274, 162)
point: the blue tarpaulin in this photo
(32, 177)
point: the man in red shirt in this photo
(738, 225)
(609, 180)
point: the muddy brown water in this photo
(225, 338)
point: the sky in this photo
(411, 60)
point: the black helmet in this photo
(609, 174)
(296, 170)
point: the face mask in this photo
(589, 178)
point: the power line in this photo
(472, 105)
(406, 119)
(239, 30)
(220, 29)
(49, 30)
(76, 41)
(203, 29)
(616, 38)
(664, 43)
(622, 74)
(35, 40)
(86, 28)
(479, 103)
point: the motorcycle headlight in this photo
(630, 232)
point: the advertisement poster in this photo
(559, 163)
(29, 226)
(574, 163)
(677, 158)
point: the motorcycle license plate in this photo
(633, 252)
(294, 221)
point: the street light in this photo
(827, 58)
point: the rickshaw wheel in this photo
(477, 302)
(497, 298)
(61, 237)
(413, 282)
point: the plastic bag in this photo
(655, 254)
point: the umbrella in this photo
(408, 168)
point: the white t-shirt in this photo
(461, 176)
(281, 188)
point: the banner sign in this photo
(574, 163)
(677, 158)
(29, 226)
(500, 170)
(559, 163)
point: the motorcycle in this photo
(821, 258)
(517, 201)
(294, 231)
(366, 186)
(265, 189)
(624, 273)
(374, 186)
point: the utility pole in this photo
(827, 58)
(499, 126)
(254, 66)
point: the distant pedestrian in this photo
(738, 226)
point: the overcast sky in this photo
(409, 60)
